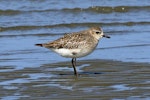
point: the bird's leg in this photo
(75, 62)
(74, 66)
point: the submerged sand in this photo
(97, 80)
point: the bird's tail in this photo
(41, 45)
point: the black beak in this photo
(106, 36)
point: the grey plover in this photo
(76, 44)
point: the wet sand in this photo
(97, 80)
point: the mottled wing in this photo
(70, 41)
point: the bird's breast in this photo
(72, 53)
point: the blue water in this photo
(24, 23)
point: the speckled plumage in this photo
(76, 44)
(73, 40)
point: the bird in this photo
(76, 44)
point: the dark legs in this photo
(74, 66)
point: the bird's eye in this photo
(97, 32)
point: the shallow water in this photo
(29, 72)
(98, 79)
